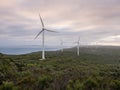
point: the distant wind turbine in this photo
(78, 46)
(43, 39)
(61, 45)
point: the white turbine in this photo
(61, 45)
(43, 39)
(78, 46)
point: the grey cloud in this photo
(91, 19)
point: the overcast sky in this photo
(95, 21)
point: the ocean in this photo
(17, 50)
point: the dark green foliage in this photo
(74, 85)
(7, 68)
(8, 86)
(70, 85)
(90, 84)
(115, 85)
(43, 82)
(92, 70)
(78, 85)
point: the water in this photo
(23, 49)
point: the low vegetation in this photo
(60, 71)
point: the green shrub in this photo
(27, 80)
(90, 84)
(78, 85)
(115, 85)
(1, 55)
(74, 85)
(8, 86)
(2, 77)
(44, 81)
(70, 85)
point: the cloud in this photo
(92, 20)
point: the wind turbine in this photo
(78, 46)
(61, 45)
(43, 37)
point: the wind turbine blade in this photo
(39, 33)
(50, 30)
(41, 21)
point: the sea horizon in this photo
(17, 50)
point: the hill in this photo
(97, 68)
(109, 50)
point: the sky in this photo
(96, 22)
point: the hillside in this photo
(95, 69)
(108, 50)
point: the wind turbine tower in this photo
(61, 45)
(43, 37)
(78, 46)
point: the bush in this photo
(44, 81)
(70, 85)
(27, 80)
(74, 85)
(8, 86)
(2, 77)
(1, 55)
(78, 85)
(27, 83)
(90, 84)
(115, 85)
